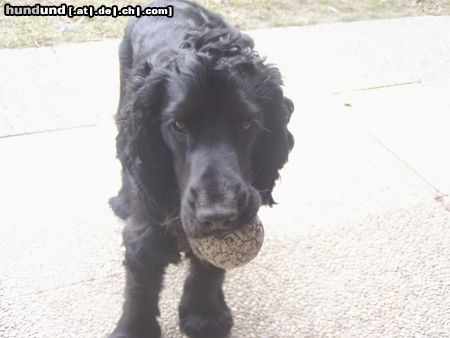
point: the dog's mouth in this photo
(185, 235)
(195, 230)
(217, 217)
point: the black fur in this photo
(202, 134)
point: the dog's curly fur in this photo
(202, 134)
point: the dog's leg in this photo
(120, 204)
(203, 311)
(148, 252)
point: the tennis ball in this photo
(231, 249)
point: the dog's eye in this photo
(246, 126)
(179, 126)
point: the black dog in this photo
(201, 137)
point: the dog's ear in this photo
(289, 105)
(144, 154)
(272, 145)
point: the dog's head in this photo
(207, 132)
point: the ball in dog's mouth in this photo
(231, 249)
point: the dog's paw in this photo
(206, 325)
(122, 335)
(152, 330)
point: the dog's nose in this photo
(217, 219)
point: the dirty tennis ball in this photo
(231, 249)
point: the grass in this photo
(19, 32)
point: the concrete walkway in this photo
(359, 245)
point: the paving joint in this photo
(64, 286)
(390, 85)
(439, 195)
(46, 131)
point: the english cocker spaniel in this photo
(202, 134)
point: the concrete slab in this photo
(93, 68)
(36, 95)
(337, 172)
(348, 56)
(413, 122)
(54, 203)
